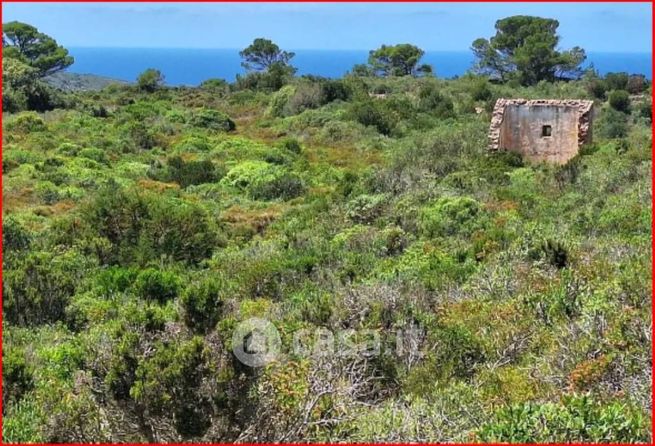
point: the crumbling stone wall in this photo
(548, 130)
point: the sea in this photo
(192, 66)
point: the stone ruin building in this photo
(541, 130)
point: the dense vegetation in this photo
(142, 223)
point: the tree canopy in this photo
(263, 54)
(150, 80)
(525, 48)
(398, 60)
(36, 49)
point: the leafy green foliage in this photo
(525, 47)
(263, 54)
(38, 50)
(449, 216)
(152, 284)
(212, 119)
(141, 226)
(150, 80)
(186, 173)
(203, 303)
(575, 419)
(38, 286)
(620, 100)
(264, 181)
(397, 60)
(139, 231)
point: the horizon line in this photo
(308, 49)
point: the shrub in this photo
(306, 96)
(212, 119)
(14, 236)
(554, 252)
(279, 101)
(169, 384)
(17, 375)
(26, 122)
(620, 100)
(215, 85)
(636, 84)
(38, 287)
(617, 81)
(141, 227)
(115, 279)
(264, 181)
(577, 419)
(153, 284)
(481, 91)
(186, 173)
(645, 110)
(597, 88)
(451, 215)
(202, 302)
(431, 101)
(285, 186)
(611, 124)
(366, 208)
(178, 230)
(292, 145)
(150, 80)
(456, 354)
(94, 154)
(141, 136)
(374, 114)
(335, 90)
(248, 173)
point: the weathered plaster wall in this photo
(517, 125)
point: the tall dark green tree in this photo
(398, 60)
(525, 48)
(263, 54)
(36, 49)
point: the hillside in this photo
(140, 229)
(80, 82)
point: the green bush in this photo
(284, 186)
(366, 208)
(14, 236)
(185, 173)
(156, 285)
(481, 91)
(95, 155)
(450, 216)
(169, 383)
(611, 124)
(264, 181)
(617, 81)
(620, 100)
(292, 145)
(577, 419)
(373, 113)
(26, 122)
(17, 376)
(142, 227)
(202, 302)
(430, 100)
(150, 80)
(212, 119)
(38, 287)
(115, 279)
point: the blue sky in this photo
(610, 27)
